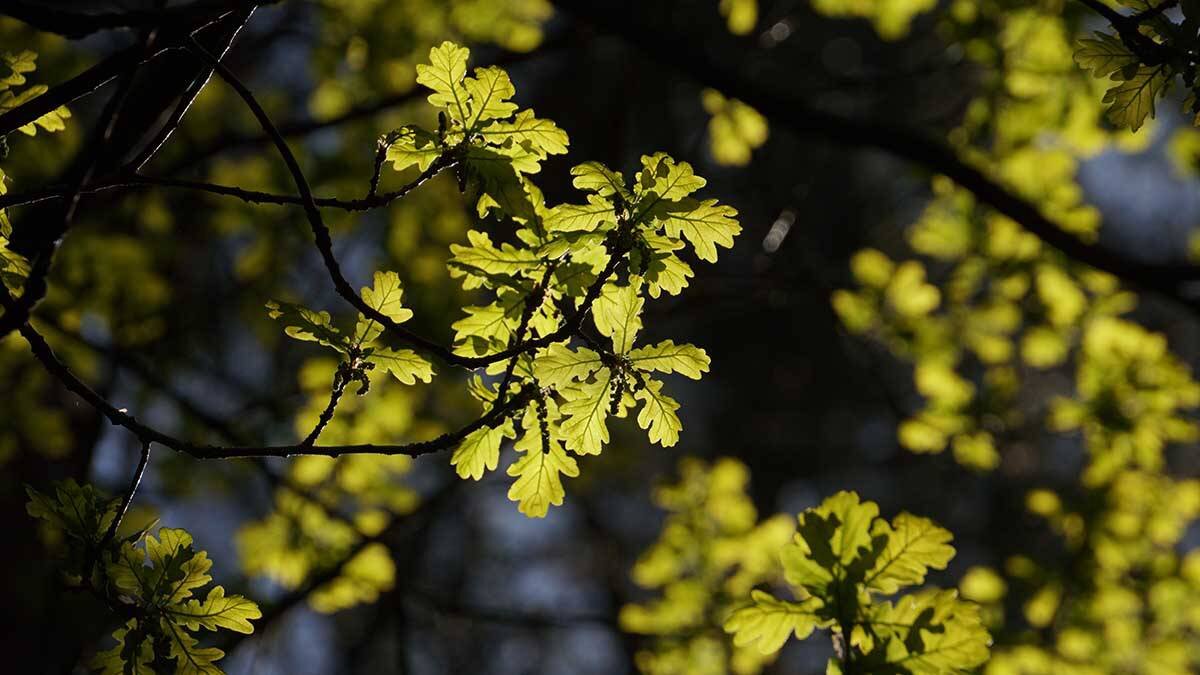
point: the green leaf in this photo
(666, 178)
(1132, 100)
(617, 313)
(480, 450)
(1103, 55)
(489, 327)
(18, 64)
(413, 146)
(914, 545)
(405, 364)
(767, 624)
(444, 75)
(306, 324)
(113, 661)
(173, 549)
(384, 295)
(363, 578)
(490, 90)
(926, 633)
(668, 357)
(539, 479)
(585, 411)
(705, 224)
(495, 177)
(597, 215)
(560, 365)
(79, 511)
(658, 414)
(829, 538)
(482, 256)
(218, 610)
(665, 272)
(595, 177)
(191, 659)
(14, 267)
(542, 137)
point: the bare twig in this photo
(127, 499)
(147, 434)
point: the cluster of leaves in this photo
(1004, 307)
(1142, 56)
(843, 561)
(371, 47)
(600, 258)
(13, 92)
(735, 129)
(1124, 600)
(327, 508)
(359, 348)
(1132, 399)
(891, 18)
(710, 554)
(149, 580)
(999, 309)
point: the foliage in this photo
(891, 18)
(843, 560)
(151, 580)
(1143, 56)
(1008, 335)
(1124, 601)
(710, 553)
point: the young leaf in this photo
(1103, 55)
(914, 545)
(490, 90)
(480, 450)
(190, 658)
(539, 479)
(618, 313)
(586, 407)
(667, 179)
(444, 75)
(1132, 100)
(767, 624)
(485, 257)
(705, 224)
(595, 177)
(306, 324)
(405, 364)
(540, 136)
(560, 365)
(668, 357)
(413, 146)
(232, 612)
(658, 414)
(597, 215)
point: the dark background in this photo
(481, 589)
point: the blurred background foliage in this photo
(875, 328)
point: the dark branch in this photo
(75, 25)
(128, 498)
(792, 112)
(147, 434)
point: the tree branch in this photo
(76, 25)
(792, 112)
(324, 243)
(128, 498)
(147, 434)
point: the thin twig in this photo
(145, 433)
(128, 497)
